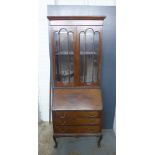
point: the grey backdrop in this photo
(108, 84)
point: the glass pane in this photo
(82, 56)
(64, 56)
(89, 48)
(89, 55)
(95, 60)
(57, 59)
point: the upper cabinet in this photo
(76, 44)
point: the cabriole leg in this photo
(99, 141)
(56, 144)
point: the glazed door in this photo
(89, 41)
(63, 47)
(76, 55)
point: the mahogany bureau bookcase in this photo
(76, 58)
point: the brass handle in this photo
(63, 122)
(62, 130)
(62, 116)
(92, 116)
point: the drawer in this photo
(77, 129)
(75, 114)
(77, 121)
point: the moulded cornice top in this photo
(76, 17)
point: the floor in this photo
(74, 146)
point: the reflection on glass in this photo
(63, 41)
(89, 47)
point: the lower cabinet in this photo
(77, 122)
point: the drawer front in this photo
(75, 114)
(77, 121)
(77, 129)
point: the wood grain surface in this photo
(77, 121)
(77, 129)
(77, 99)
